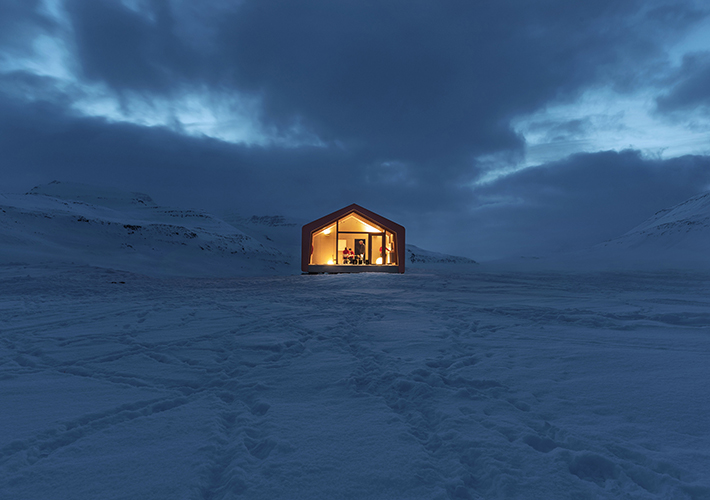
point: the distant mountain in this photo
(110, 228)
(684, 227)
(675, 237)
(416, 255)
(103, 196)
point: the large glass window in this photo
(390, 255)
(323, 246)
(354, 224)
(353, 240)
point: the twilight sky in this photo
(487, 128)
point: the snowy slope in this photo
(434, 384)
(676, 237)
(673, 238)
(419, 256)
(685, 227)
(276, 230)
(109, 228)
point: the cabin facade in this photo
(352, 240)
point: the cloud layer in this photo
(275, 106)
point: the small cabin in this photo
(352, 240)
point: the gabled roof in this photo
(326, 220)
(339, 214)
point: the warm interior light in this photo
(327, 231)
(363, 226)
(330, 262)
(379, 260)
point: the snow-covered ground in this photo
(434, 384)
(123, 377)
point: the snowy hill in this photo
(685, 226)
(677, 236)
(275, 230)
(416, 256)
(102, 196)
(69, 222)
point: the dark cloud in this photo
(20, 22)
(428, 83)
(42, 141)
(422, 81)
(583, 200)
(691, 86)
(130, 50)
(405, 97)
(566, 205)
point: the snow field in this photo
(429, 384)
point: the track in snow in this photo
(425, 385)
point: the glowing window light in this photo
(365, 227)
(368, 227)
(379, 260)
(330, 262)
(327, 231)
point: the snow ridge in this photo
(110, 228)
(270, 220)
(684, 228)
(91, 194)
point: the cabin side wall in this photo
(401, 249)
(305, 247)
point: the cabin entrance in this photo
(375, 255)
